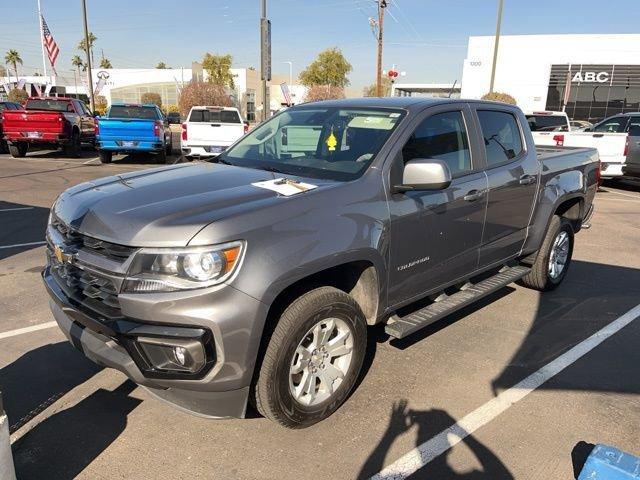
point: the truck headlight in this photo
(168, 270)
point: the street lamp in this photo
(290, 72)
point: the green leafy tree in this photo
(218, 67)
(370, 90)
(151, 97)
(12, 57)
(105, 63)
(82, 45)
(500, 97)
(101, 104)
(330, 68)
(162, 66)
(18, 95)
(77, 62)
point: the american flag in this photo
(49, 44)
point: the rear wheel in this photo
(553, 258)
(161, 157)
(312, 360)
(74, 147)
(18, 150)
(168, 149)
(105, 156)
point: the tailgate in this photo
(202, 133)
(611, 146)
(126, 129)
(24, 121)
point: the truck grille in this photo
(100, 247)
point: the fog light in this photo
(172, 355)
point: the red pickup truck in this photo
(49, 122)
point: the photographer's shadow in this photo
(430, 424)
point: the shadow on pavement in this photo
(41, 376)
(430, 423)
(22, 224)
(626, 184)
(64, 444)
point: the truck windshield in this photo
(214, 116)
(133, 111)
(51, 105)
(547, 123)
(328, 143)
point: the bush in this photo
(171, 108)
(101, 105)
(323, 92)
(500, 97)
(203, 93)
(151, 97)
(18, 95)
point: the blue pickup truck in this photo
(133, 128)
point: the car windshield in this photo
(214, 116)
(547, 123)
(51, 105)
(318, 142)
(133, 111)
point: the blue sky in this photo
(425, 38)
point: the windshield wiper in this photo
(226, 162)
(269, 169)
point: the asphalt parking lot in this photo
(70, 418)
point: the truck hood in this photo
(166, 207)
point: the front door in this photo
(435, 235)
(512, 173)
(633, 153)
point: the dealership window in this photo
(501, 134)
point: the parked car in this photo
(208, 131)
(254, 278)
(632, 166)
(173, 118)
(4, 148)
(548, 121)
(49, 122)
(616, 139)
(580, 125)
(133, 128)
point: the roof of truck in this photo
(407, 103)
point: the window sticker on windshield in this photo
(394, 115)
(377, 123)
(332, 142)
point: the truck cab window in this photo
(502, 140)
(442, 136)
(613, 125)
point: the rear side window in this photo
(547, 123)
(214, 116)
(442, 136)
(634, 127)
(502, 140)
(133, 111)
(612, 125)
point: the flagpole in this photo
(44, 58)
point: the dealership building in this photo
(589, 76)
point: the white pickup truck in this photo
(609, 136)
(209, 130)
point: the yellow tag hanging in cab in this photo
(332, 142)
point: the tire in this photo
(74, 148)
(106, 156)
(168, 149)
(541, 277)
(18, 150)
(319, 308)
(161, 157)
(4, 148)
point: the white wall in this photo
(524, 62)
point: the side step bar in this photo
(400, 327)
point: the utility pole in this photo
(382, 4)
(86, 41)
(495, 46)
(265, 59)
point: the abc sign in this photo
(591, 77)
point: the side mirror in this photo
(588, 129)
(424, 174)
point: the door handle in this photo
(473, 195)
(527, 180)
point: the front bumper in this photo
(233, 320)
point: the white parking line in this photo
(447, 439)
(15, 209)
(30, 244)
(637, 197)
(20, 331)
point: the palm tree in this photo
(77, 62)
(105, 63)
(82, 44)
(12, 58)
(161, 65)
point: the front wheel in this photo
(553, 258)
(312, 360)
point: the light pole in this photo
(495, 46)
(75, 81)
(86, 41)
(265, 58)
(290, 72)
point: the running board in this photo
(400, 327)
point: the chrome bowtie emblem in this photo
(61, 256)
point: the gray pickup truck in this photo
(255, 278)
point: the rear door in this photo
(214, 126)
(512, 174)
(435, 235)
(633, 129)
(87, 122)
